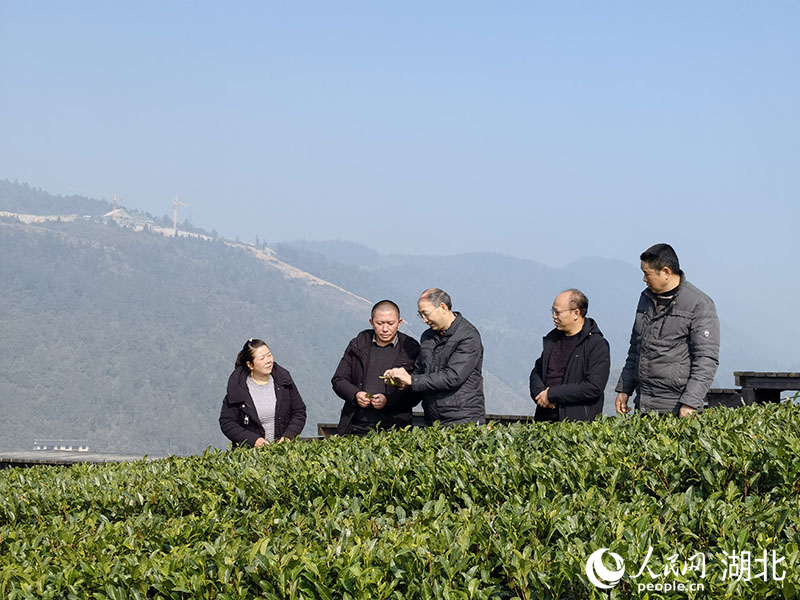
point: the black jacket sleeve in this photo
(230, 422)
(341, 380)
(537, 378)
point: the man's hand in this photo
(378, 401)
(363, 400)
(542, 400)
(685, 410)
(261, 442)
(622, 403)
(399, 374)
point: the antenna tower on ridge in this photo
(175, 204)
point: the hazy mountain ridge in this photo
(22, 198)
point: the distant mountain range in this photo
(125, 335)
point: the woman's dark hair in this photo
(248, 351)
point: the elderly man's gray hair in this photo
(436, 296)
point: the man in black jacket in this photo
(568, 379)
(448, 369)
(369, 401)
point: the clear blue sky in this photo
(547, 131)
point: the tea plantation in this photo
(467, 512)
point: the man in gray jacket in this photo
(448, 368)
(674, 347)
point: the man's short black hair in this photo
(577, 299)
(384, 305)
(436, 296)
(661, 255)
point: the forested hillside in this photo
(22, 198)
(127, 338)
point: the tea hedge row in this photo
(468, 512)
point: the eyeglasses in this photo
(555, 312)
(426, 316)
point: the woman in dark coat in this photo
(262, 404)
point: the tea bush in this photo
(465, 512)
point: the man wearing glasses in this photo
(674, 350)
(568, 379)
(448, 368)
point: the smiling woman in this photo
(262, 404)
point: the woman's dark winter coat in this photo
(238, 417)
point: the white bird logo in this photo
(597, 572)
